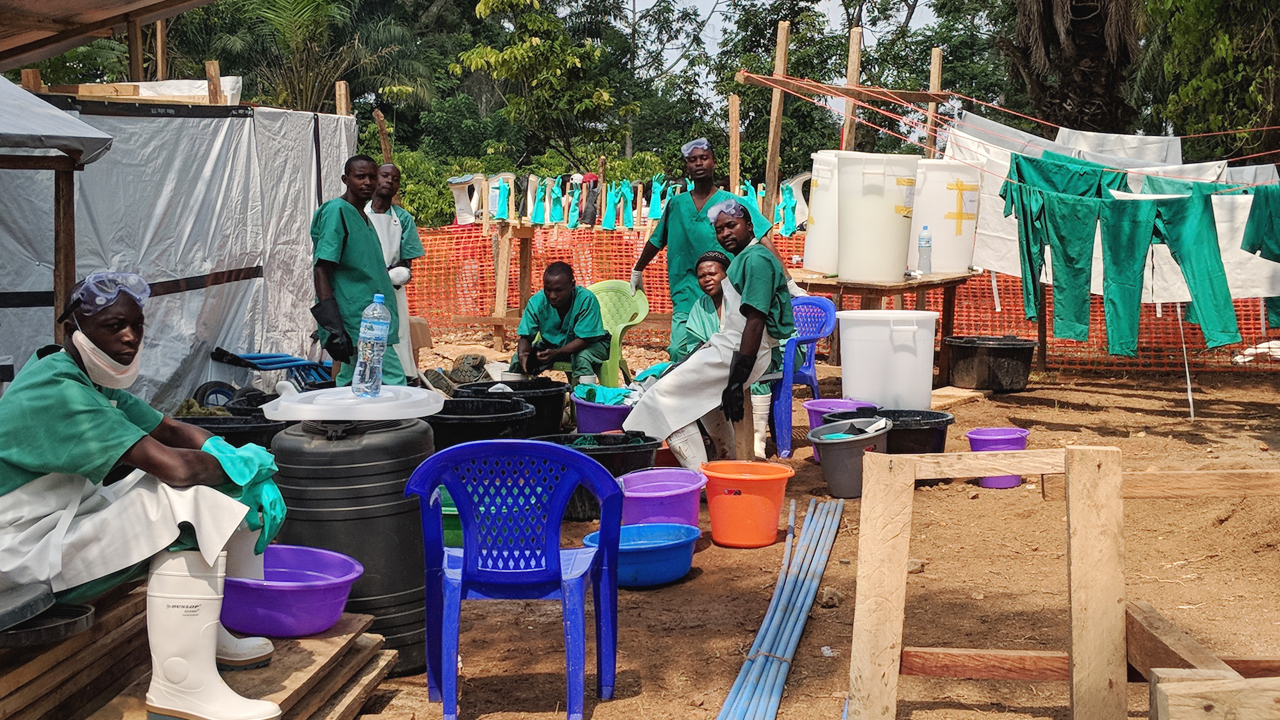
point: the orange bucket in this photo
(745, 500)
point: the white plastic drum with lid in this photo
(887, 357)
(946, 200)
(822, 234)
(877, 192)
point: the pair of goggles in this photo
(732, 208)
(100, 291)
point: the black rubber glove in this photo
(330, 318)
(732, 400)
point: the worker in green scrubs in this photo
(686, 233)
(562, 323)
(350, 270)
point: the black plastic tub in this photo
(999, 364)
(616, 452)
(547, 397)
(466, 419)
(238, 430)
(914, 431)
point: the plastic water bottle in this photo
(926, 251)
(375, 326)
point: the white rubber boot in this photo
(183, 605)
(466, 198)
(686, 445)
(760, 422)
(251, 652)
(720, 431)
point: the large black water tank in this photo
(343, 483)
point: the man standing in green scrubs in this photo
(687, 234)
(350, 270)
(567, 316)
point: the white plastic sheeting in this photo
(231, 86)
(183, 194)
(1162, 149)
(33, 125)
(946, 199)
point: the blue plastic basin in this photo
(652, 554)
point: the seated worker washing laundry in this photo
(686, 233)
(709, 386)
(562, 323)
(192, 510)
(350, 267)
(706, 318)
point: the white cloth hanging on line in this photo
(1154, 148)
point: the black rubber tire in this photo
(246, 391)
(214, 390)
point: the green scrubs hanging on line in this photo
(341, 235)
(687, 233)
(1071, 224)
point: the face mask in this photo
(101, 368)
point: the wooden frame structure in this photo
(1107, 634)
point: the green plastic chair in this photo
(619, 310)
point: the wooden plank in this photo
(864, 94)
(1042, 336)
(419, 334)
(852, 78)
(98, 90)
(1155, 642)
(744, 443)
(384, 138)
(948, 330)
(36, 162)
(1095, 576)
(84, 685)
(162, 50)
(735, 143)
(526, 269)
(1177, 675)
(931, 121)
(296, 667)
(136, 73)
(501, 285)
(361, 652)
(342, 98)
(1184, 484)
(775, 121)
(884, 533)
(78, 710)
(971, 664)
(213, 76)
(971, 464)
(945, 398)
(820, 283)
(31, 80)
(1257, 699)
(80, 664)
(1254, 667)
(29, 665)
(348, 701)
(64, 243)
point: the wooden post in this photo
(162, 50)
(526, 266)
(604, 192)
(879, 605)
(935, 85)
(31, 83)
(342, 97)
(213, 76)
(735, 142)
(853, 77)
(384, 138)
(1042, 334)
(775, 122)
(1095, 576)
(501, 279)
(135, 51)
(64, 242)
(744, 435)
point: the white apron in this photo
(694, 387)
(389, 232)
(63, 531)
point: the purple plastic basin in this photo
(821, 406)
(597, 418)
(661, 495)
(304, 593)
(992, 439)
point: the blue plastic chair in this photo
(511, 497)
(815, 318)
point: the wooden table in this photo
(872, 296)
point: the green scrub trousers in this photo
(1071, 223)
(586, 361)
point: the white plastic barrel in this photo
(876, 192)
(886, 357)
(947, 201)
(822, 235)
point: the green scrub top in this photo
(343, 236)
(582, 322)
(762, 281)
(410, 243)
(704, 321)
(687, 233)
(53, 419)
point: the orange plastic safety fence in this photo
(455, 278)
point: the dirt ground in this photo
(994, 574)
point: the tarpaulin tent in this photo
(211, 204)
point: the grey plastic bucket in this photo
(842, 457)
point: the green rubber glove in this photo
(244, 465)
(266, 511)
